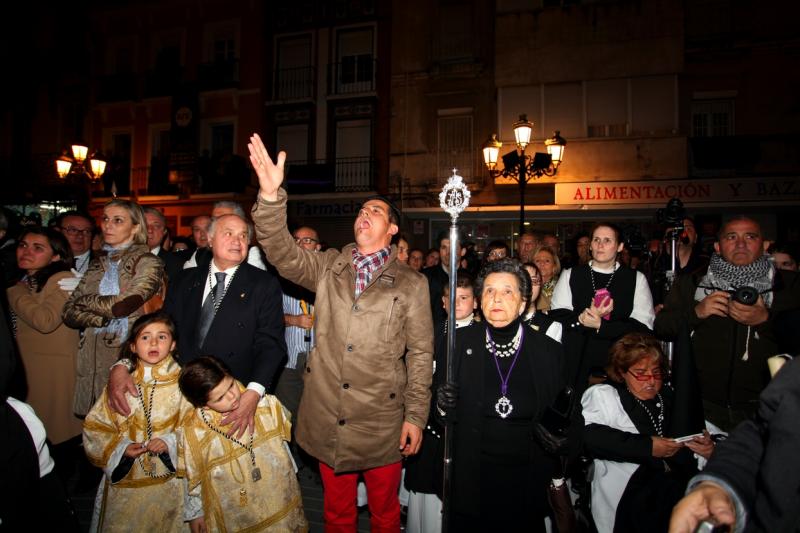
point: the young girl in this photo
(236, 484)
(138, 453)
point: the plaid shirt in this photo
(365, 265)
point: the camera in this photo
(672, 215)
(744, 295)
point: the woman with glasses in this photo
(110, 296)
(640, 472)
(495, 251)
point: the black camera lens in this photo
(745, 295)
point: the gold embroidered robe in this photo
(138, 502)
(218, 470)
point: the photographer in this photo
(730, 309)
(689, 261)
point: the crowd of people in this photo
(187, 380)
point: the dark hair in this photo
(613, 227)
(199, 377)
(629, 350)
(445, 234)
(509, 266)
(126, 352)
(60, 247)
(60, 218)
(185, 240)
(394, 213)
(496, 245)
(738, 218)
(463, 281)
(789, 249)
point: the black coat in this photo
(173, 263)
(760, 458)
(545, 358)
(720, 342)
(247, 333)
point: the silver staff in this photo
(453, 199)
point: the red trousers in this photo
(339, 500)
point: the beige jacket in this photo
(48, 349)
(371, 369)
(140, 273)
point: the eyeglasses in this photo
(305, 240)
(657, 375)
(69, 230)
(497, 254)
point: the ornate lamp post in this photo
(521, 167)
(77, 164)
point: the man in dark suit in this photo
(439, 276)
(231, 310)
(156, 231)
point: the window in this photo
(354, 68)
(295, 73)
(454, 144)
(222, 139)
(653, 105)
(712, 118)
(563, 111)
(353, 154)
(455, 35)
(607, 108)
(221, 42)
(293, 140)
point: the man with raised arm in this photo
(367, 383)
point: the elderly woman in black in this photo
(640, 471)
(507, 374)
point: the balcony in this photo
(353, 75)
(347, 174)
(118, 88)
(218, 75)
(294, 83)
(163, 81)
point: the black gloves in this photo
(446, 399)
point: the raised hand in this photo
(270, 174)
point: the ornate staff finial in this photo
(454, 197)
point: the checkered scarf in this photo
(365, 265)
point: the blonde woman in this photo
(110, 296)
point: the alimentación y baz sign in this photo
(694, 191)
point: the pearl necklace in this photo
(591, 276)
(660, 420)
(504, 350)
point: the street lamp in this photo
(66, 165)
(520, 167)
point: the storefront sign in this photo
(689, 191)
